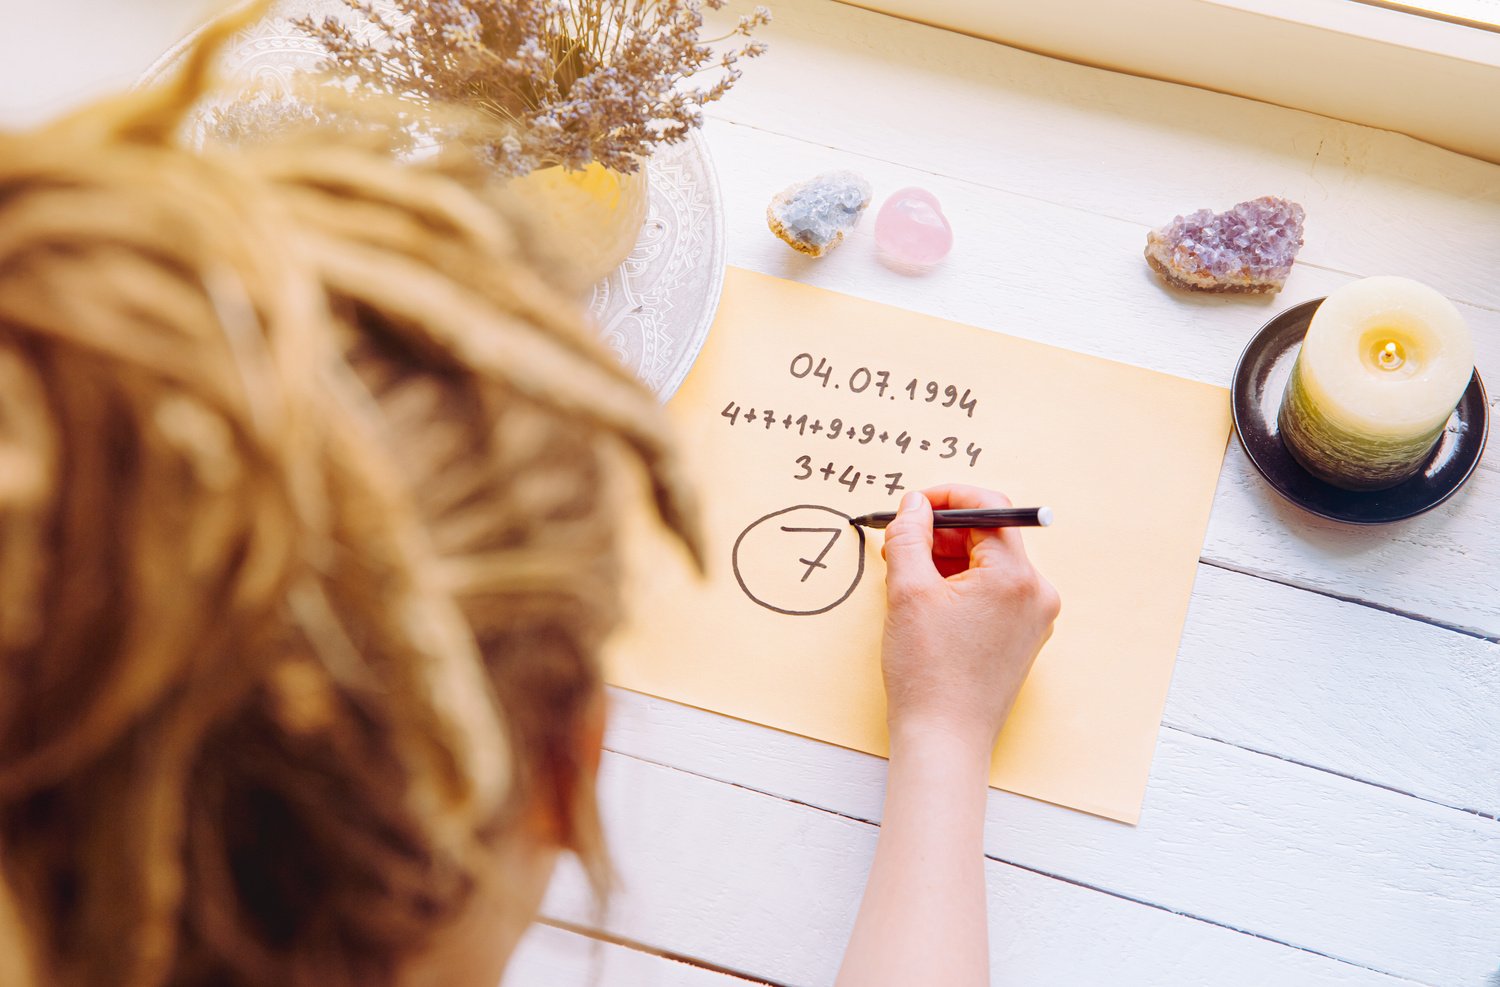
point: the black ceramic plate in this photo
(1259, 381)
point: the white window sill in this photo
(1428, 78)
(1381, 24)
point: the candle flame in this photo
(1390, 356)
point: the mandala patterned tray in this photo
(656, 309)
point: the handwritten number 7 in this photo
(818, 562)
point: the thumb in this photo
(908, 545)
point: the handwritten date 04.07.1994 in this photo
(878, 382)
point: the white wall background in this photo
(104, 44)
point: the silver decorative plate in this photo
(656, 309)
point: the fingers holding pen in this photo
(974, 547)
(909, 549)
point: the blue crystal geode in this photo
(814, 216)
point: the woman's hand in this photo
(967, 615)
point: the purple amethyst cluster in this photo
(1249, 248)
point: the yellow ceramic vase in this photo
(595, 215)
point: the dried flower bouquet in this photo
(569, 82)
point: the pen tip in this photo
(1044, 516)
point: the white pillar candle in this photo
(1384, 363)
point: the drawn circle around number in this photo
(784, 562)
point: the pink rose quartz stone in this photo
(912, 230)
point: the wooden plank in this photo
(1117, 145)
(1371, 877)
(1019, 265)
(1015, 269)
(770, 888)
(1342, 687)
(1440, 566)
(553, 957)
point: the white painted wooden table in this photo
(1322, 805)
(1322, 808)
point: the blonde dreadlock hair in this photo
(306, 548)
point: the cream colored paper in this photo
(1127, 458)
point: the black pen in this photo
(991, 517)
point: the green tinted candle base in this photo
(1340, 457)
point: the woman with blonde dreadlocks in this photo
(305, 559)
